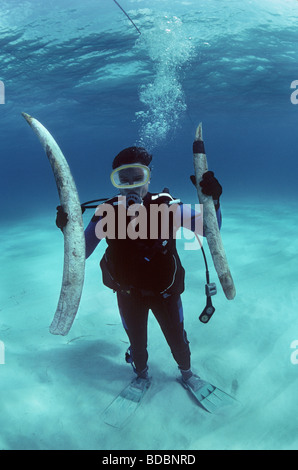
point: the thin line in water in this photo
(128, 16)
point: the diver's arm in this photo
(193, 220)
(218, 216)
(90, 236)
(90, 233)
(194, 215)
(210, 187)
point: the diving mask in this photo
(130, 176)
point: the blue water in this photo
(82, 69)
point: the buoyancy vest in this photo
(151, 266)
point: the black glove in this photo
(210, 186)
(62, 218)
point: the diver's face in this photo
(132, 177)
(141, 190)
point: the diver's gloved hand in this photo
(62, 218)
(210, 186)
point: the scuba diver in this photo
(146, 273)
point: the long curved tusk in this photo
(74, 239)
(210, 223)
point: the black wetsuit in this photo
(147, 275)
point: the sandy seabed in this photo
(54, 389)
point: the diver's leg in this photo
(169, 314)
(134, 315)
